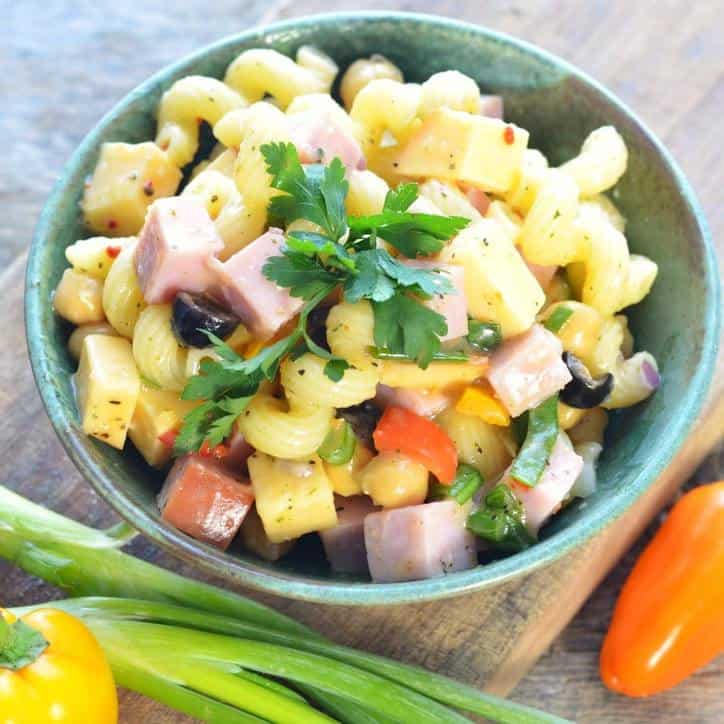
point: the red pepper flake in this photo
(113, 251)
(168, 438)
(112, 224)
(148, 188)
(509, 135)
(218, 452)
(199, 120)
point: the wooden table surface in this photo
(64, 64)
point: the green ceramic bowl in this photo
(559, 105)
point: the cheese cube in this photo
(107, 385)
(499, 287)
(478, 150)
(157, 412)
(127, 179)
(292, 498)
(79, 298)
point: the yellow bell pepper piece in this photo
(59, 676)
(476, 401)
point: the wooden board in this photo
(666, 64)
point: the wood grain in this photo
(662, 58)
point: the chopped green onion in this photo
(468, 481)
(499, 521)
(533, 457)
(558, 318)
(485, 336)
(442, 356)
(339, 445)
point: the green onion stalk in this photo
(219, 656)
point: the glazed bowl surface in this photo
(559, 105)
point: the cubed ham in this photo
(241, 285)
(453, 307)
(201, 498)
(478, 198)
(344, 545)
(491, 106)
(426, 403)
(319, 139)
(419, 541)
(175, 249)
(561, 472)
(528, 369)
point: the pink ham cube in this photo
(426, 403)
(453, 307)
(201, 498)
(175, 249)
(541, 501)
(419, 541)
(528, 369)
(344, 545)
(491, 106)
(241, 285)
(319, 139)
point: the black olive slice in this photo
(363, 418)
(193, 312)
(583, 391)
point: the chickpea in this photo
(393, 480)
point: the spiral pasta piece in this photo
(306, 384)
(183, 105)
(528, 181)
(261, 71)
(350, 333)
(362, 72)
(224, 204)
(283, 431)
(160, 358)
(449, 89)
(601, 162)
(548, 235)
(122, 297)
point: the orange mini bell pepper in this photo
(53, 670)
(669, 619)
(401, 430)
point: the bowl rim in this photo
(218, 563)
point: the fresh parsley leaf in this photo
(211, 422)
(412, 234)
(311, 244)
(371, 281)
(424, 282)
(401, 198)
(405, 325)
(312, 192)
(305, 276)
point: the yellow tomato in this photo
(66, 680)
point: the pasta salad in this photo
(385, 321)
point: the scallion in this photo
(339, 445)
(559, 316)
(533, 457)
(440, 356)
(485, 336)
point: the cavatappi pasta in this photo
(290, 241)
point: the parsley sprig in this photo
(344, 253)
